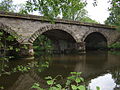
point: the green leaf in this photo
(73, 72)
(10, 38)
(10, 47)
(68, 82)
(71, 77)
(97, 88)
(81, 87)
(36, 86)
(1, 33)
(1, 87)
(49, 77)
(78, 80)
(50, 82)
(78, 73)
(82, 79)
(54, 88)
(74, 87)
(59, 86)
(25, 47)
(17, 49)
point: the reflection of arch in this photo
(52, 27)
(26, 80)
(9, 30)
(95, 40)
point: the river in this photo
(98, 68)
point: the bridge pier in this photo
(80, 47)
(26, 51)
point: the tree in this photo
(6, 6)
(114, 18)
(88, 20)
(67, 9)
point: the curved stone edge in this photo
(52, 27)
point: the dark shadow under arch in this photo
(62, 41)
(95, 41)
(59, 34)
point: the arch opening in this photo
(95, 41)
(55, 41)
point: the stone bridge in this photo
(64, 33)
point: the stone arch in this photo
(10, 31)
(95, 41)
(90, 32)
(52, 27)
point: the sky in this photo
(98, 13)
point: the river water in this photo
(98, 68)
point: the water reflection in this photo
(98, 68)
(105, 82)
(116, 76)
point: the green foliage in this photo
(20, 8)
(98, 88)
(7, 6)
(10, 38)
(26, 68)
(25, 47)
(88, 20)
(1, 87)
(74, 82)
(6, 46)
(115, 45)
(42, 66)
(115, 52)
(114, 18)
(42, 44)
(76, 78)
(37, 86)
(7, 42)
(21, 68)
(68, 9)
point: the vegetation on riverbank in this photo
(73, 82)
(114, 17)
(42, 45)
(115, 46)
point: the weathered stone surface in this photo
(27, 28)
